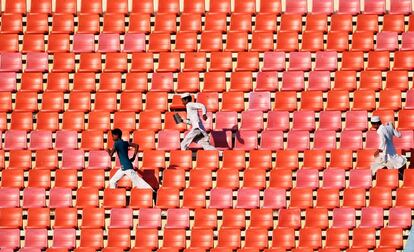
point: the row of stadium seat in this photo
(215, 6)
(243, 140)
(225, 178)
(178, 159)
(221, 198)
(213, 22)
(250, 120)
(197, 62)
(236, 41)
(202, 239)
(39, 218)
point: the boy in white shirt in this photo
(386, 155)
(197, 133)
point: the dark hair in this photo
(117, 132)
(187, 98)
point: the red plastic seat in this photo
(378, 60)
(364, 100)
(287, 41)
(66, 6)
(363, 238)
(403, 60)
(337, 41)
(291, 22)
(11, 23)
(37, 23)
(405, 197)
(39, 178)
(241, 22)
(114, 23)
(168, 198)
(328, 198)
(139, 23)
(194, 7)
(9, 43)
(393, 23)
(391, 237)
(159, 42)
(13, 178)
(380, 197)
(62, 23)
(21, 121)
(338, 100)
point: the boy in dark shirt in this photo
(121, 148)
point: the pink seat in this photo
(10, 62)
(36, 238)
(178, 218)
(406, 141)
(109, 42)
(73, 159)
(293, 81)
(246, 140)
(304, 120)
(274, 61)
(248, 198)
(399, 217)
(387, 41)
(64, 238)
(15, 140)
(297, 6)
(169, 140)
(60, 197)
(400, 7)
(319, 81)
(11, 238)
(351, 139)
(221, 198)
(407, 41)
(330, 120)
(34, 197)
(252, 120)
(323, 6)
(356, 120)
(37, 62)
(360, 178)
(274, 198)
(259, 101)
(134, 42)
(325, 140)
(149, 218)
(226, 121)
(372, 217)
(278, 120)
(343, 218)
(326, 61)
(9, 197)
(349, 7)
(334, 178)
(40, 139)
(307, 178)
(266, 81)
(272, 140)
(298, 140)
(8, 81)
(300, 61)
(66, 140)
(83, 42)
(121, 218)
(374, 7)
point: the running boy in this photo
(121, 148)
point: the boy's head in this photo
(116, 134)
(186, 98)
(375, 122)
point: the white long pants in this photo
(137, 181)
(199, 137)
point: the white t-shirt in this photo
(193, 116)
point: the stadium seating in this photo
(289, 87)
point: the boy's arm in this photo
(136, 148)
(111, 151)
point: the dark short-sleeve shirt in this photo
(121, 148)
